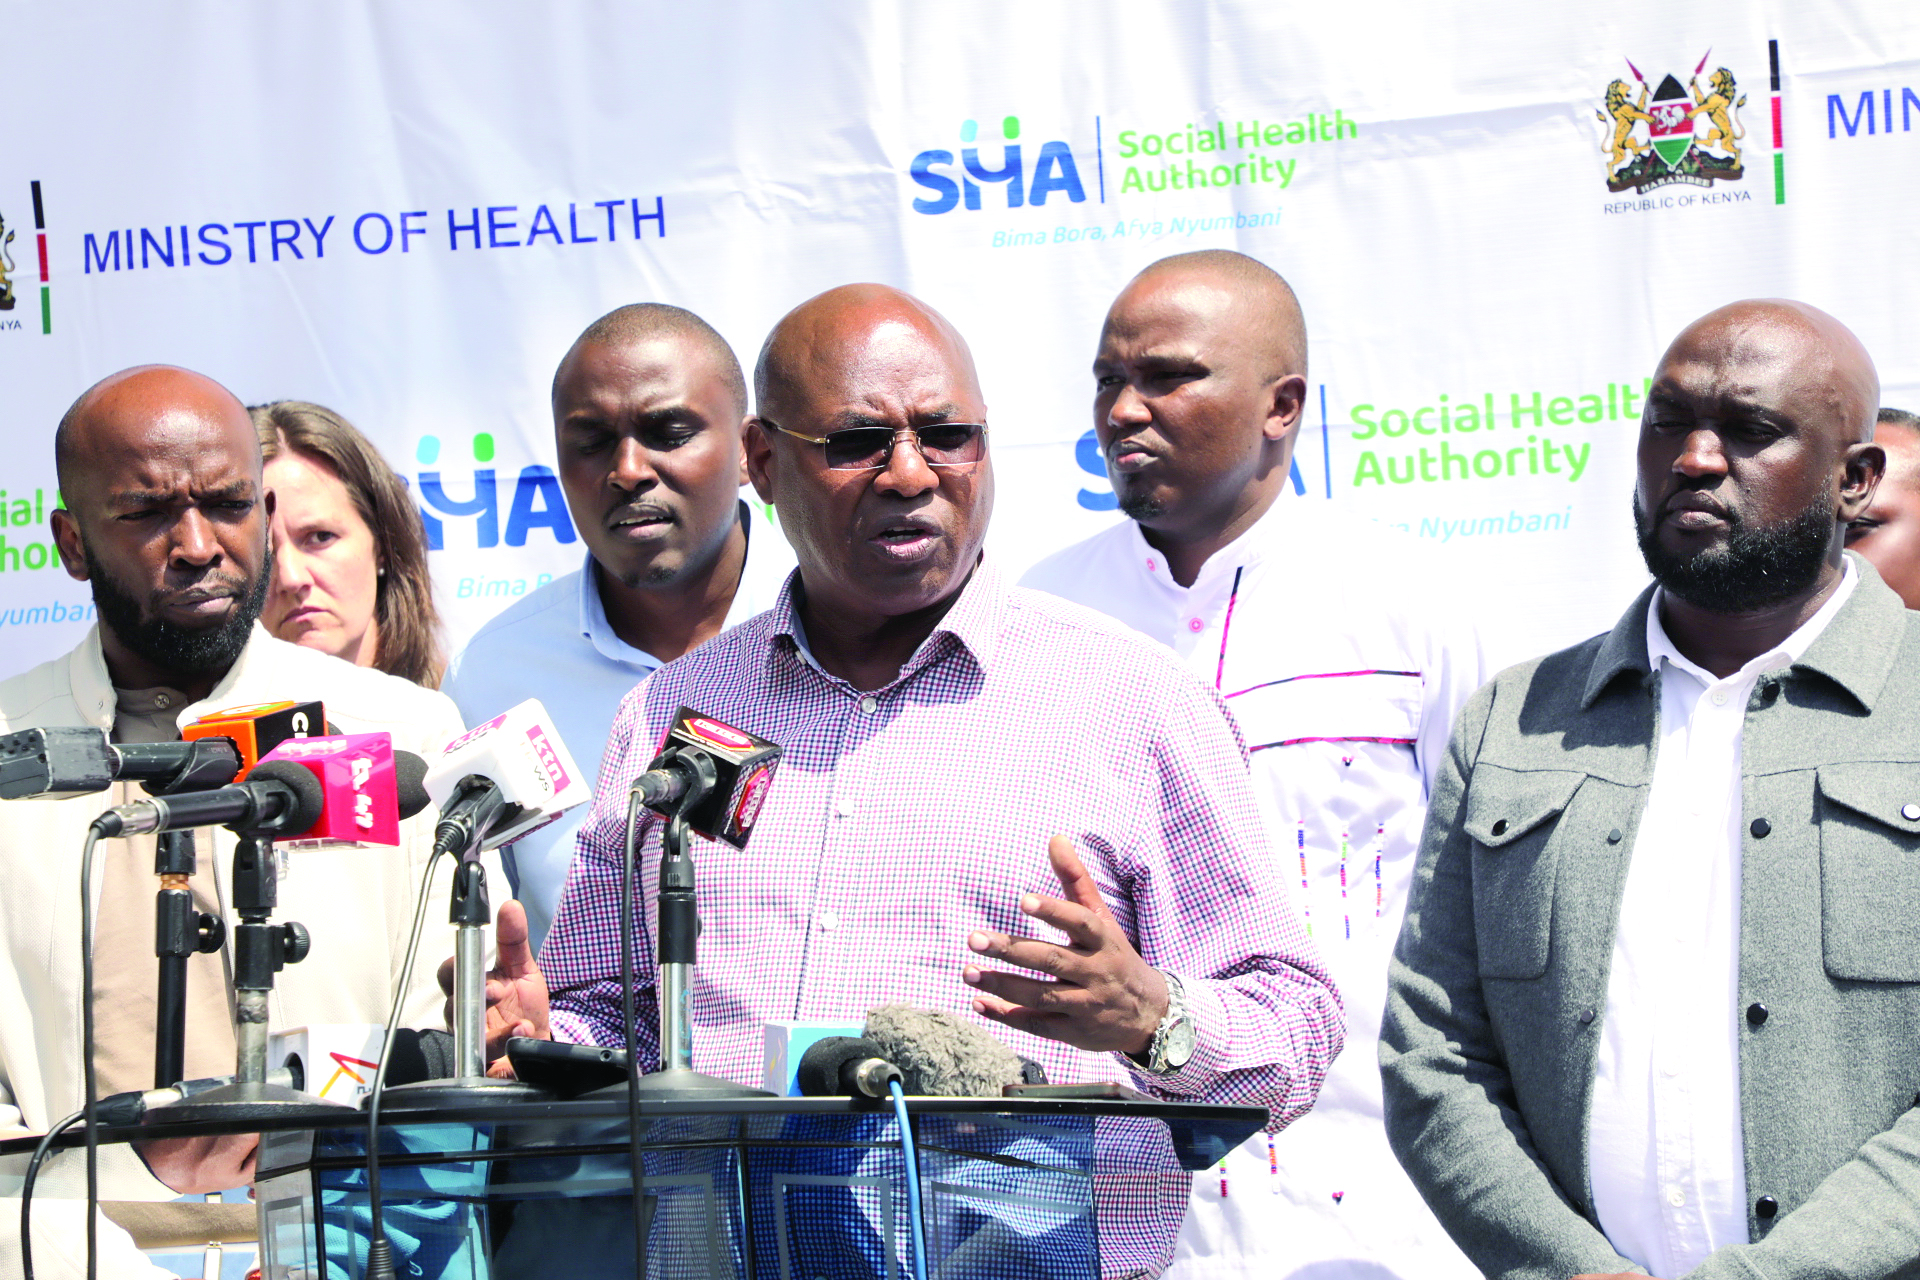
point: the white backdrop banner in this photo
(1495, 215)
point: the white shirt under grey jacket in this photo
(1344, 663)
(356, 902)
(1665, 1151)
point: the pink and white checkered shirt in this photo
(904, 818)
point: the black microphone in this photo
(54, 763)
(503, 779)
(65, 761)
(845, 1066)
(712, 774)
(281, 798)
(131, 1107)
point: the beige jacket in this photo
(357, 904)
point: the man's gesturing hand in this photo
(516, 989)
(1099, 994)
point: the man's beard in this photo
(1754, 569)
(1142, 507)
(198, 651)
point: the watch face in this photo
(1180, 1038)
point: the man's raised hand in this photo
(1095, 993)
(516, 989)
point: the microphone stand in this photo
(260, 950)
(470, 915)
(678, 940)
(179, 933)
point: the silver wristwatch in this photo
(1174, 1038)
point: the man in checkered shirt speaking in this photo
(992, 801)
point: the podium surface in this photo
(758, 1188)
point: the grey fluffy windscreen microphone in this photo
(943, 1055)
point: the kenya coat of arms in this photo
(1669, 133)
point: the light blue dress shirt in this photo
(555, 644)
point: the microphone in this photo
(60, 762)
(945, 1056)
(503, 779)
(360, 775)
(257, 729)
(131, 1107)
(280, 799)
(712, 774)
(846, 1066)
(289, 798)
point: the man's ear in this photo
(1865, 465)
(747, 430)
(759, 458)
(1289, 401)
(66, 536)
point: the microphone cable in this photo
(379, 1248)
(916, 1223)
(26, 1188)
(630, 1030)
(89, 1104)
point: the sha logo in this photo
(537, 500)
(1672, 134)
(1053, 170)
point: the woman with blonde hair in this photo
(350, 571)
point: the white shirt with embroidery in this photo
(1344, 659)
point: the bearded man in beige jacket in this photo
(166, 519)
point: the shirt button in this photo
(869, 705)
(1500, 827)
(1586, 1017)
(1669, 1069)
(162, 701)
(1756, 1013)
(1153, 566)
(828, 921)
(1614, 836)
(1760, 828)
(1911, 812)
(1719, 697)
(1195, 625)
(1765, 1207)
(1677, 1198)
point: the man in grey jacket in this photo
(1656, 1004)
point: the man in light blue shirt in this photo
(648, 410)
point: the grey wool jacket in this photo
(1498, 986)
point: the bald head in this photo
(643, 322)
(1797, 343)
(898, 536)
(1264, 301)
(119, 413)
(1199, 381)
(847, 333)
(166, 520)
(1755, 456)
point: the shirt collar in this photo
(1660, 646)
(971, 626)
(598, 632)
(1244, 551)
(98, 701)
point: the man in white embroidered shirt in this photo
(1344, 668)
(1653, 1007)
